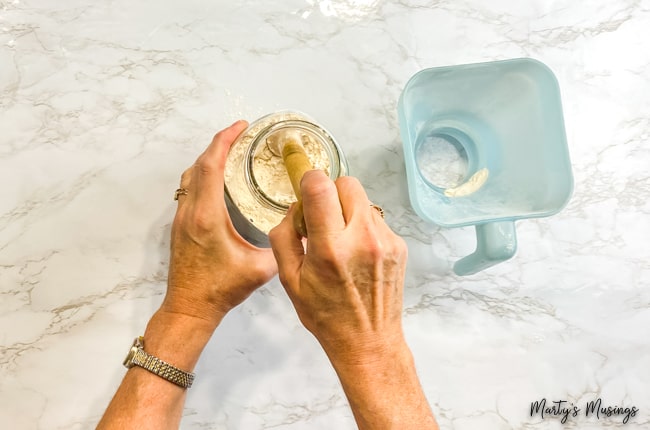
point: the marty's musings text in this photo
(565, 410)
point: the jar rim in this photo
(320, 135)
(254, 215)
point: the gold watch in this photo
(137, 357)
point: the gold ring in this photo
(378, 208)
(180, 192)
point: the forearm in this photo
(145, 400)
(385, 393)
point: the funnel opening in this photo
(443, 158)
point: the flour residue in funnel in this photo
(472, 185)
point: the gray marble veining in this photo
(104, 104)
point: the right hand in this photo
(347, 285)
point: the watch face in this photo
(128, 361)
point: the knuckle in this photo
(352, 186)
(284, 278)
(204, 165)
(316, 185)
(398, 250)
(331, 255)
(186, 175)
(217, 136)
(202, 220)
(347, 181)
(400, 247)
(387, 250)
(328, 252)
(275, 235)
(375, 249)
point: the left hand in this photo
(212, 268)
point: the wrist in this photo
(177, 338)
(185, 302)
(384, 391)
(371, 356)
(365, 350)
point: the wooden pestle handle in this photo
(297, 164)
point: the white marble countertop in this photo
(104, 104)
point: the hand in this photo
(347, 287)
(212, 268)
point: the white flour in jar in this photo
(268, 171)
(271, 175)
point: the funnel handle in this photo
(495, 242)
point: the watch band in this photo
(138, 357)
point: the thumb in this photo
(209, 172)
(288, 250)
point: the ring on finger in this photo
(180, 192)
(378, 209)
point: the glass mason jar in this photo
(258, 191)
